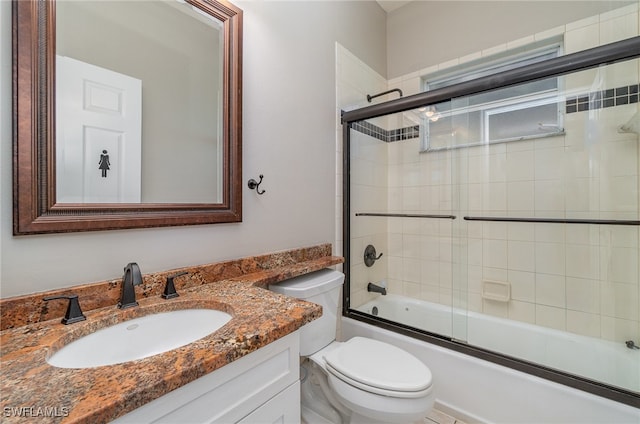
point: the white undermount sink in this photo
(139, 338)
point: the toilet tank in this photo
(320, 287)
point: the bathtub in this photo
(479, 391)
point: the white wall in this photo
(289, 136)
(437, 31)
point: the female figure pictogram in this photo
(104, 163)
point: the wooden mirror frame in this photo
(35, 210)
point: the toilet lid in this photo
(379, 365)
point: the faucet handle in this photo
(170, 288)
(370, 255)
(74, 313)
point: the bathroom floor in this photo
(439, 417)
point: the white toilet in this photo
(358, 381)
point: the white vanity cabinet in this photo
(261, 387)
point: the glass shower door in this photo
(400, 205)
(509, 225)
(549, 242)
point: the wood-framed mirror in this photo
(177, 160)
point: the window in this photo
(520, 112)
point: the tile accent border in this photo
(388, 136)
(602, 99)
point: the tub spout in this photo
(377, 288)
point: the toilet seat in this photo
(362, 380)
(379, 368)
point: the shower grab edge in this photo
(405, 215)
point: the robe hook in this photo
(253, 184)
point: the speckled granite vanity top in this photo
(32, 330)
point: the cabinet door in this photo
(230, 393)
(283, 408)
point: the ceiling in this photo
(390, 5)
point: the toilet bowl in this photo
(358, 381)
(376, 381)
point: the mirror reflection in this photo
(139, 116)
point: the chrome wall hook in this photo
(253, 184)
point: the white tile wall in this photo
(369, 170)
(578, 278)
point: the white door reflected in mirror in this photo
(99, 128)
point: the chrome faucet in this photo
(132, 277)
(376, 288)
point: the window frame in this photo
(511, 59)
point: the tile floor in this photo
(438, 417)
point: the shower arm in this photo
(371, 97)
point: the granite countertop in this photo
(95, 395)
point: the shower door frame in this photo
(604, 55)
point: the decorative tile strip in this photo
(602, 99)
(387, 136)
